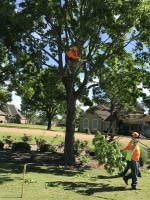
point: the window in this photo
(85, 123)
(94, 124)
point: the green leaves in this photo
(108, 153)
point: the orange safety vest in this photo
(134, 151)
(72, 54)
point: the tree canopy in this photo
(44, 92)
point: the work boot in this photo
(125, 180)
(134, 187)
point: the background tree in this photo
(146, 103)
(29, 113)
(44, 93)
(5, 96)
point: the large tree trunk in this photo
(49, 124)
(70, 120)
(69, 79)
(70, 129)
(49, 119)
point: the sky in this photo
(16, 100)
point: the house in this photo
(2, 117)
(95, 120)
(100, 120)
(14, 115)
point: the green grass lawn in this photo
(31, 126)
(17, 136)
(48, 182)
(56, 182)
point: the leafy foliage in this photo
(79, 146)
(108, 153)
(8, 140)
(47, 148)
(143, 156)
(40, 142)
(5, 96)
(26, 138)
(21, 147)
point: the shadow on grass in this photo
(59, 170)
(36, 163)
(86, 188)
(5, 178)
(56, 170)
(6, 169)
(108, 177)
(46, 163)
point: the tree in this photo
(5, 96)
(7, 43)
(146, 103)
(44, 93)
(8, 38)
(113, 37)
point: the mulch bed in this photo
(35, 157)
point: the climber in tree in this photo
(72, 54)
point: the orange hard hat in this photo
(74, 48)
(135, 135)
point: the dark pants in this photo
(134, 166)
(128, 167)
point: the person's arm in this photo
(128, 147)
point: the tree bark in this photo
(49, 119)
(69, 156)
(49, 124)
(69, 137)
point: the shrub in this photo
(8, 141)
(47, 148)
(1, 145)
(39, 142)
(21, 147)
(26, 138)
(143, 156)
(79, 146)
(84, 159)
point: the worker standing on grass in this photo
(133, 156)
(128, 159)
